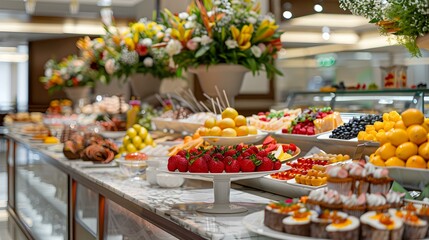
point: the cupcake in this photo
(409, 207)
(376, 202)
(275, 212)
(395, 199)
(332, 200)
(359, 175)
(353, 205)
(315, 198)
(379, 181)
(344, 228)
(414, 227)
(423, 213)
(339, 180)
(319, 222)
(381, 226)
(299, 222)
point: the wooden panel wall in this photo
(40, 52)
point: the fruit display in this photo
(90, 147)
(230, 159)
(352, 128)
(188, 143)
(403, 140)
(231, 125)
(282, 151)
(274, 120)
(314, 121)
(377, 131)
(146, 115)
(136, 138)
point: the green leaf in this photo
(396, 187)
(202, 51)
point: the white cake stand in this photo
(222, 187)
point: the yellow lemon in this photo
(417, 134)
(240, 120)
(131, 148)
(386, 151)
(424, 150)
(253, 130)
(242, 131)
(400, 124)
(376, 160)
(210, 122)
(394, 162)
(226, 123)
(229, 132)
(215, 131)
(229, 113)
(412, 116)
(406, 150)
(415, 162)
(203, 131)
(397, 136)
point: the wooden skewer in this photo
(219, 96)
(205, 107)
(218, 104)
(226, 98)
(194, 98)
(210, 99)
(187, 95)
(213, 105)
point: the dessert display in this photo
(23, 117)
(298, 222)
(352, 128)
(314, 121)
(275, 212)
(110, 105)
(274, 120)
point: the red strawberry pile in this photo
(230, 159)
(303, 124)
(300, 166)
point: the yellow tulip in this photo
(138, 27)
(242, 37)
(265, 31)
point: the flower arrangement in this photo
(137, 49)
(69, 72)
(223, 31)
(405, 19)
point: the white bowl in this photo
(131, 167)
(166, 180)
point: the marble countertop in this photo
(174, 204)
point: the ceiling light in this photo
(326, 36)
(287, 14)
(74, 6)
(318, 8)
(104, 3)
(30, 6)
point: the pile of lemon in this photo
(231, 125)
(403, 139)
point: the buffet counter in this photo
(55, 198)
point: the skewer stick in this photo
(210, 99)
(219, 96)
(160, 100)
(194, 99)
(171, 101)
(205, 107)
(226, 98)
(187, 95)
(213, 105)
(220, 109)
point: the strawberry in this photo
(172, 163)
(182, 153)
(262, 153)
(232, 166)
(230, 153)
(277, 165)
(247, 165)
(216, 166)
(239, 148)
(207, 157)
(198, 165)
(218, 156)
(266, 165)
(182, 164)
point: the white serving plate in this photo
(325, 137)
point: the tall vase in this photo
(78, 95)
(226, 77)
(144, 85)
(423, 42)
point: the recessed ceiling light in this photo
(287, 14)
(318, 8)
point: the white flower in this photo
(256, 51)
(148, 62)
(189, 25)
(193, 17)
(110, 66)
(192, 45)
(159, 35)
(173, 47)
(251, 20)
(183, 15)
(210, 13)
(168, 31)
(231, 44)
(196, 39)
(205, 40)
(48, 72)
(147, 42)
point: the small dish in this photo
(132, 168)
(166, 180)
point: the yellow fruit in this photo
(417, 134)
(424, 150)
(137, 140)
(148, 140)
(386, 151)
(394, 162)
(388, 125)
(400, 124)
(381, 137)
(210, 122)
(51, 140)
(406, 150)
(412, 116)
(378, 125)
(240, 120)
(141, 146)
(425, 124)
(143, 132)
(253, 130)
(369, 137)
(203, 131)
(229, 132)
(372, 132)
(137, 127)
(131, 148)
(215, 131)
(369, 128)
(376, 160)
(416, 162)
(229, 113)
(131, 132)
(385, 117)
(361, 135)
(226, 123)
(397, 136)
(394, 116)
(126, 140)
(242, 131)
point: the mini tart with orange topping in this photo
(344, 228)
(381, 226)
(275, 212)
(415, 228)
(423, 213)
(319, 222)
(299, 222)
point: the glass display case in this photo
(41, 196)
(374, 101)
